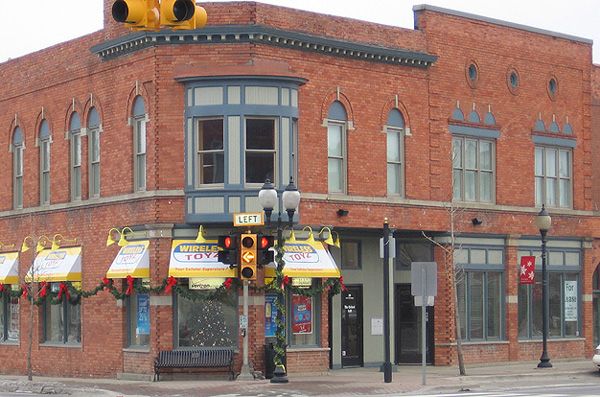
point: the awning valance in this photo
(63, 264)
(192, 259)
(132, 260)
(9, 268)
(306, 259)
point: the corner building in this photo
(459, 130)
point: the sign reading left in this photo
(248, 219)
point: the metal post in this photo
(544, 359)
(387, 365)
(245, 373)
(423, 327)
(280, 373)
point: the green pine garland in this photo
(331, 285)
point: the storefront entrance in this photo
(352, 327)
(408, 328)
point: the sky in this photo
(49, 22)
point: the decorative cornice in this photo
(257, 34)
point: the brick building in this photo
(165, 131)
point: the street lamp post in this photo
(543, 221)
(290, 198)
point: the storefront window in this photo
(412, 251)
(563, 298)
(480, 305)
(350, 255)
(303, 315)
(203, 322)
(62, 321)
(9, 319)
(138, 314)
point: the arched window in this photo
(93, 132)
(44, 139)
(139, 144)
(17, 148)
(336, 147)
(395, 153)
(75, 137)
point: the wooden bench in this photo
(195, 358)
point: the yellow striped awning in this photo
(63, 264)
(9, 268)
(132, 260)
(192, 259)
(306, 259)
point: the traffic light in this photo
(248, 257)
(228, 250)
(265, 254)
(137, 14)
(182, 14)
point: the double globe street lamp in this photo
(268, 198)
(543, 221)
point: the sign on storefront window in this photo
(570, 300)
(302, 312)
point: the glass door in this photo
(352, 327)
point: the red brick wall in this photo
(54, 78)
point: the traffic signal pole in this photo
(245, 373)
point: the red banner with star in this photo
(527, 270)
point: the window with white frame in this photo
(94, 153)
(260, 150)
(139, 144)
(553, 177)
(336, 148)
(209, 151)
(473, 176)
(395, 153)
(18, 146)
(44, 140)
(75, 138)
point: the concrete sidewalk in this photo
(354, 381)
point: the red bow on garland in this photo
(342, 285)
(63, 289)
(106, 283)
(285, 281)
(1, 287)
(227, 283)
(24, 288)
(129, 286)
(171, 282)
(43, 289)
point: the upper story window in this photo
(260, 150)
(395, 153)
(75, 139)
(473, 176)
(210, 152)
(336, 148)
(93, 131)
(139, 119)
(44, 140)
(18, 146)
(239, 132)
(553, 176)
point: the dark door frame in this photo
(359, 360)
